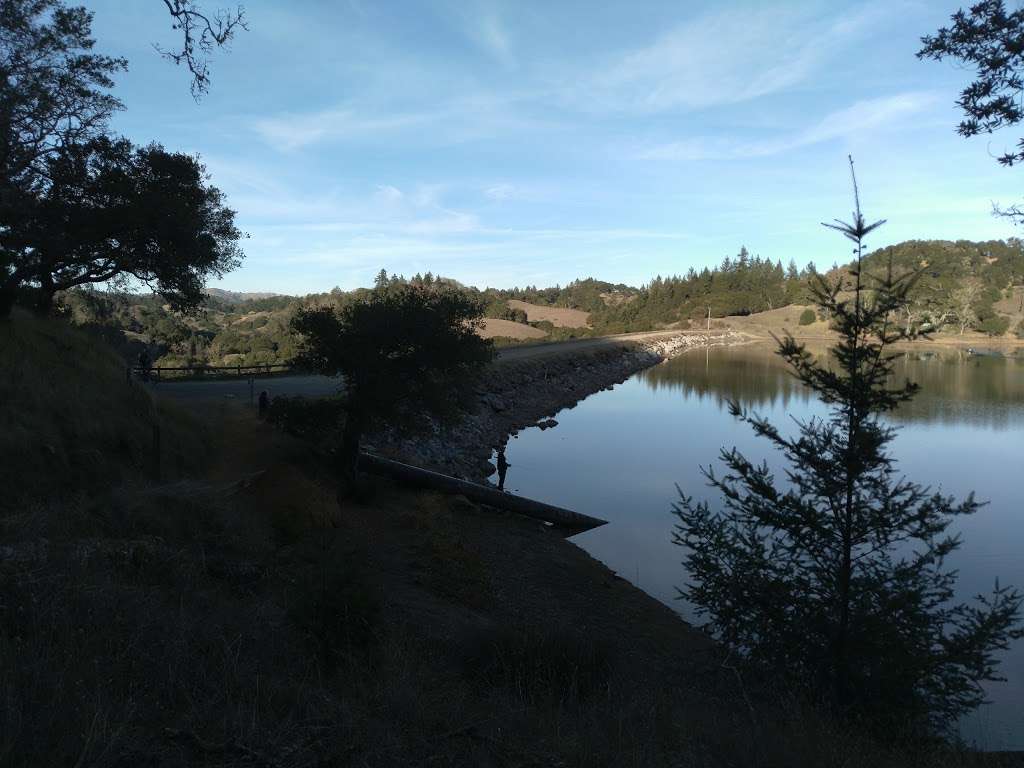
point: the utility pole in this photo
(709, 320)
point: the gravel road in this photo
(318, 386)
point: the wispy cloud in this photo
(293, 131)
(460, 118)
(389, 194)
(859, 120)
(500, 192)
(723, 57)
(490, 32)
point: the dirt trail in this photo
(528, 351)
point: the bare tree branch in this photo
(201, 34)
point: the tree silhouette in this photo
(77, 206)
(991, 40)
(201, 33)
(112, 212)
(53, 93)
(405, 351)
(836, 581)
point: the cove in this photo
(620, 453)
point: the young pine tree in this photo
(835, 581)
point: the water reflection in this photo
(956, 387)
(619, 455)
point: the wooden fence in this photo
(161, 372)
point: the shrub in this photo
(997, 325)
(314, 419)
(807, 317)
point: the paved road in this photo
(238, 389)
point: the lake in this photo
(619, 454)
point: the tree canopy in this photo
(111, 212)
(405, 351)
(77, 205)
(989, 39)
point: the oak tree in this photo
(112, 213)
(405, 351)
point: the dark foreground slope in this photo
(238, 617)
(71, 422)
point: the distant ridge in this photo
(234, 297)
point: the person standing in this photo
(145, 364)
(503, 466)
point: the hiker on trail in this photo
(264, 403)
(503, 466)
(144, 365)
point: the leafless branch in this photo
(201, 34)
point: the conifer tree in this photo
(834, 581)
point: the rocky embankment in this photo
(521, 393)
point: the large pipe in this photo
(571, 522)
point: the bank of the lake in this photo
(528, 388)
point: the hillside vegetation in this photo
(70, 421)
(964, 287)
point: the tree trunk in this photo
(42, 304)
(8, 294)
(348, 452)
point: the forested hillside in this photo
(962, 286)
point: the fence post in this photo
(156, 452)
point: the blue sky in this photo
(512, 143)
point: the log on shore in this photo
(565, 519)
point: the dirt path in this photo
(528, 351)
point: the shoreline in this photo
(956, 342)
(528, 388)
(523, 392)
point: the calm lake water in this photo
(620, 453)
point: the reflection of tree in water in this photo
(956, 387)
(754, 376)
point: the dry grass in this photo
(70, 421)
(1012, 306)
(779, 321)
(491, 328)
(560, 317)
(173, 627)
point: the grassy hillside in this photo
(560, 317)
(964, 287)
(71, 422)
